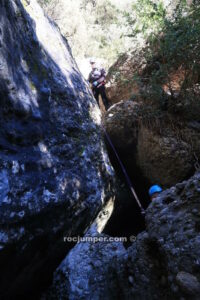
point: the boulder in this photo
(83, 274)
(188, 283)
(161, 263)
(122, 81)
(55, 175)
(164, 149)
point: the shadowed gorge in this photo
(126, 219)
(70, 228)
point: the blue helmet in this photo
(154, 189)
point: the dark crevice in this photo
(126, 219)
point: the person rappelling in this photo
(97, 78)
(154, 191)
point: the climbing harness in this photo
(124, 171)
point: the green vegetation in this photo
(146, 17)
(93, 28)
(169, 35)
(172, 48)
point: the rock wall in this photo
(164, 147)
(55, 175)
(154, 127)
(163, 262)
(122, 77)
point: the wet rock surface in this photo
(163, 262)
(55, 175)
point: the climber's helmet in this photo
(154, 191)
(92, 61)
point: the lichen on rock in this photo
(163, 262)
(55, 173)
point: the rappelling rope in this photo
(196, 165)
(125, 173)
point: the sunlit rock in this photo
(55, 174)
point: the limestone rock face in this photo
(188, 283)
(122, 84)
(165, 150)
(163, 262)
(121, 122)
(163, 121)
(164, 159)
(55, 175)
(83, 273)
